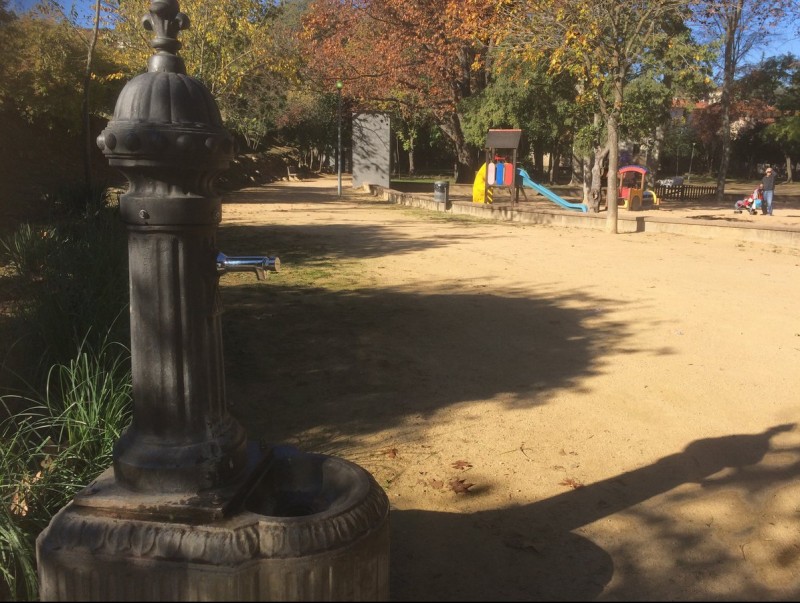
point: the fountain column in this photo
(191, 509)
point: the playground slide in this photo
(479, 187)
(526, 181)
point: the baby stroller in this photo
(750, 203)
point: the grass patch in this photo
(61, 440)
(422, 179)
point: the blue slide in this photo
(526, 181)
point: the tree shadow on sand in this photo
(531, 552)
(346, 363)
(362, 361)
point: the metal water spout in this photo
(244, 263)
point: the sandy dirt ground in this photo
(554, 413)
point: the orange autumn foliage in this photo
(385, 49)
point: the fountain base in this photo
(308, 527)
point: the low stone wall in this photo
(626, 222)
(511, 214)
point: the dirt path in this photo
(554, 413)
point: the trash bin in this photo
(441, 192)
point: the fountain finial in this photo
(166, 20)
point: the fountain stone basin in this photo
(312, 527)
(297, 484)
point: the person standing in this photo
(769, 187)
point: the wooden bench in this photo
(292, 172)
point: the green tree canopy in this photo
(601, 44)
(244, 51)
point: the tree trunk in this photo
(87, 122)
(654, 158)
(576, 171)
(612, 128)
(729, 69)
(789, 175)
(555, 160)
(466, 155)
(585, 176)
(613, 159)
(538, 162)
(411, 167)
(596, 186)
(599, 153)
(596, 191)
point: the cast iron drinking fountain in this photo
(191, 509)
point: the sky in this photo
(781, 42)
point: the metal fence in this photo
(685, 192)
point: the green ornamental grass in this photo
(58, 428)
(55, 447)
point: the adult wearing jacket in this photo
(769, 188)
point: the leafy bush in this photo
(72, 289)
(26, 250)
(61, 441)
(75, 285)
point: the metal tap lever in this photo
(245, 263)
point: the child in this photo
(752, 202)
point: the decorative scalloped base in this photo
(340, 554)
